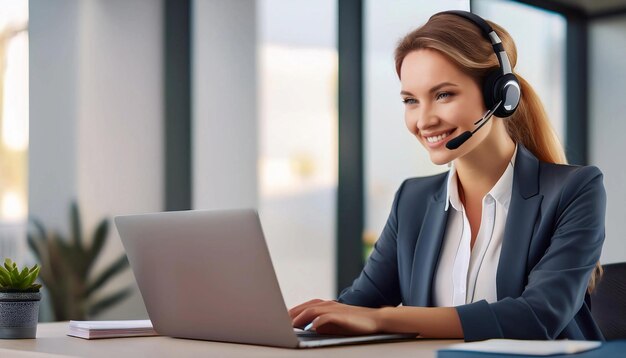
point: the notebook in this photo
(110, 329)
(208, 275)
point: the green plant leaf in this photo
(38, 241)
(75, 259)
(22, 285)
(8, 264)
(60, 272)
(76, 226)
(34, 247)
(4, 270)
(109, 301)
(15, 276)
(31, 277)
(23, 274)
(43, 234)
(5, 278)
(65, 251)
(99, 239)
(118, 266)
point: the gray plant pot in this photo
(19, 312)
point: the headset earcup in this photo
(489, 93)
(507, 89)
(497, 87)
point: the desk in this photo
(52, 341)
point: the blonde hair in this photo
(464, 44)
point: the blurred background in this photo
(287, 106)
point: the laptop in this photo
(208, 275)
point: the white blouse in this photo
(466, 275)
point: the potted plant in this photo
(19, 301)
(67, 265)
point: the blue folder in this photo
(610, 349)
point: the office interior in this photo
(289, 107)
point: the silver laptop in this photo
(208, 275)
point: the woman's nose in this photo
(426, 118)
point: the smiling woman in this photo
(503, 245)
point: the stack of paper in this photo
(109, 329)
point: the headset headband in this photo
(489, 34)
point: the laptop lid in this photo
(207, 275)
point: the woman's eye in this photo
(443, 95)
(409, 101)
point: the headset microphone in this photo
(456, 142)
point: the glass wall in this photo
(540, 50)
(13, 126)
(391, 153)
(298, 143)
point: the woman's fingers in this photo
(307, 316)
(327, 324)
(343, 324)
(314, 309)
(331, 317)
(295, 311)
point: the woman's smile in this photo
(435, 139)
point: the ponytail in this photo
(529, 125)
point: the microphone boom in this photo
(456, 142)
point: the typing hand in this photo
(331, 317)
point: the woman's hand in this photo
(331, 317)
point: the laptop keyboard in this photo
(313, 336)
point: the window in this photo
(298, 143)
(13, 125)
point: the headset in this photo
(501, 89)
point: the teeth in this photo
(436, 139)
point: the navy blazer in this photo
(552, 240)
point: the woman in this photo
(504, 245)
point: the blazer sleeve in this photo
(558, 282)
(378, 284)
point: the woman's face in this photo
(441, 102)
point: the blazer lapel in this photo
(427, 250)
(520, 224)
